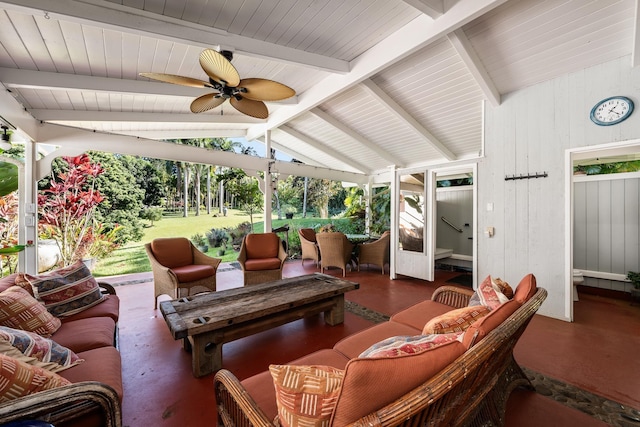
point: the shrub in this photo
(152, 214)
(238, 233)
(199, 240)
(217, 237)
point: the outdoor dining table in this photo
(356, 239)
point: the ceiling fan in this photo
(246, 95)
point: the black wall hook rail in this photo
(527, 176)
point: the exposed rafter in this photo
(123, 116)
(294, 154)
(339, 157)
(186, 133)
(393, 107)
(111, 15)
(15, 78)
(635, 51)
(469, 56)
(432, 8)
(417, 34)
(364, 142)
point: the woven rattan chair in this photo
(376, 252)
(261, 258)
(335, 251)
(178, 265)
(309, 245)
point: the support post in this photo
(268, 187)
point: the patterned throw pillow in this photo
(504, 287)
(19, 379)
(488, 294)
(65, 291)
(306, 395)
(455, 320)
(406, 345)
(19, 310)
(43, 349)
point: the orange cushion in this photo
(455, 320)
(306, 395)
(19, 379)
(370, 384)
(86, 334)
(19, 310)
(358, 342)
(526, 289)
(262, 245)
(419, 314)
(109, 307)
(262, 264)
(481, 327)
(191, 273)
(172, 251)
(101, 364)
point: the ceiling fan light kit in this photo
(245, 95)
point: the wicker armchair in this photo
(376, 252)
(335, 251)
(177, 264)
(309, 245)
(261, 258)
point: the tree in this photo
(320, 191)
(250, 197)
(69, 204)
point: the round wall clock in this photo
(611, 111)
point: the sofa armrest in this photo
(453, 296)
(106, 288)
(235, 406)
(66, 403)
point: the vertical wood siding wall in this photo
(530, 132)
(607, 229)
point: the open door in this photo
(415, 243)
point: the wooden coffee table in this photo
(207, 321)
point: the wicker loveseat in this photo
(95, 394)
(466, 382)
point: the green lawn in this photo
(132, 257)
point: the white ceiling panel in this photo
(377, 83)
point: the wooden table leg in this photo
(336, 314)
(206, 355)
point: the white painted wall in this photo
(528, 133)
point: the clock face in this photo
(611, 110)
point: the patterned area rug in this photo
(608, 411)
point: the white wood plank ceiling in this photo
(378, 83)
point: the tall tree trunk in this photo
(208, 190)
(304, 201)
(185, 191)
(197, 188)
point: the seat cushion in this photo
(100, 364)
(419, 314)
(191, 273)
(261, 245)
(262, 264)
(86, 334)
(172, 251)
(109, 307)
(358, 342)
(261, 388)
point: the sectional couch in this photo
(463, 379)
(95, 394)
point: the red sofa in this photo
(458, 383)
(95, 397)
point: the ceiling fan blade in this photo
(265, 90)
(219, 68)
(206, 102)
(250, 107)
(178, 80)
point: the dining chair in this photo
(335, 251)
(178, 265)
(309, 245)
(376, 253)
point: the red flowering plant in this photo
(9, 231)
(68, 206)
